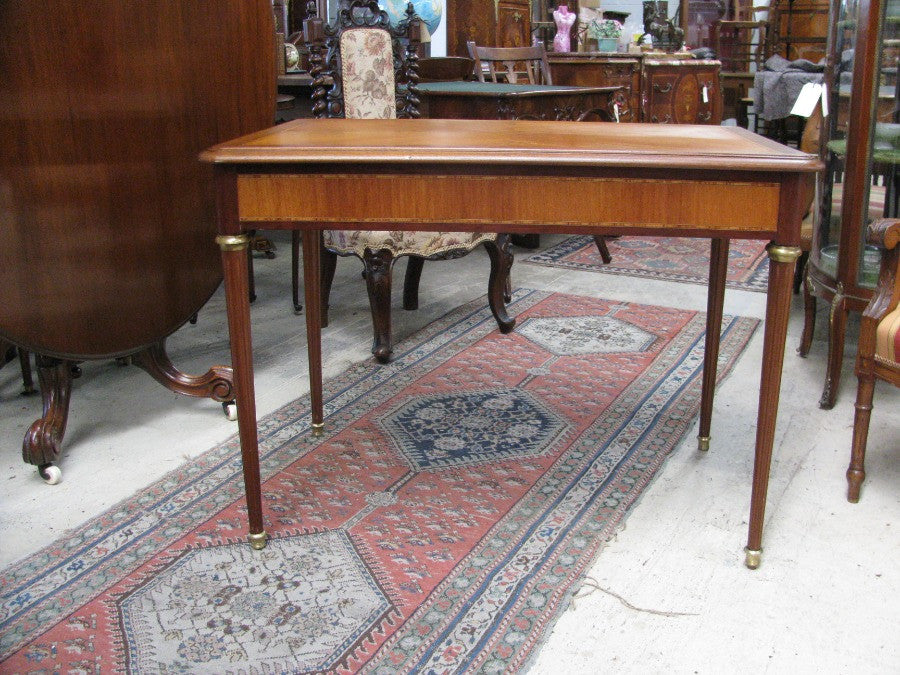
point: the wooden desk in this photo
(491, 101)
(518, 176)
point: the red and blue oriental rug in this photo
(668, 258)
(441, 524)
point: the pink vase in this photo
(564, 20)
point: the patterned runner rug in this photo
(669, 258)
(440, 525)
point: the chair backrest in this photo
(522, 65)
(359, 67)
(741, 46)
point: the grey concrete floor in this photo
(668, 594)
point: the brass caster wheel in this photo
(230, 409)
(50, 473)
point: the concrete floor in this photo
(670, 593)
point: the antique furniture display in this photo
(357, 52)
(646, 179)
(861, 150)
(799, 28)
(879, 345)
(511, 64)
(660, 88)
(497, 23)
(105, 206)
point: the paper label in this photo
(807, 99)
(705, 94)
(616, 111)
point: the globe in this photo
(428, 10)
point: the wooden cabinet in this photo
(680, 92)
(663, 90)
(489, 23)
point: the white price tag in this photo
(705, 94)
(824, 100)
(616, 111)
(807, 99)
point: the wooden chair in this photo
(521, 65)
(879, 344)
(527, 65)
(741, 46)
(373, 76)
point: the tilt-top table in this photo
(511, 176)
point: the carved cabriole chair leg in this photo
(600, 241)
(501, 262)
(329, 264)
(295, 271)
(414, 265)
(378, 283)
(216, 383)
(809, 317)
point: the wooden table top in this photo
(521, 143)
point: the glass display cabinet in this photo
(861, 146)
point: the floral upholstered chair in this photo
(879, 344)
(361, 71)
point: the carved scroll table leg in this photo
(216, 383)
(718, 270)
(778, 304)
(237, 297)
(44, 438)
(312, 275)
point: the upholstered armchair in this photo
(362, 67)
(879, 344)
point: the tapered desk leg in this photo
(782, 260)
(234, 264)
(312, 277)
(718, 270)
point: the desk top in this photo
(505, 90)
(521, 143)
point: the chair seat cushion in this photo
(887, 337)
(425, 244)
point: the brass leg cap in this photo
(703, 443)
(317, 429)
(257, 540)
(753, 558)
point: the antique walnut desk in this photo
(521, 176)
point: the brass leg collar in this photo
(785, 254)
(258, 540)
(753, 558)
(703, 443)
(233, 242)
(317, 429)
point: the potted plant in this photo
(606, 32)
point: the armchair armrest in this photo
(885, 233)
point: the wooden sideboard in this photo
(662, 89)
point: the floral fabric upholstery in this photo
(425, 244)
(887, 338)
(367, 71)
